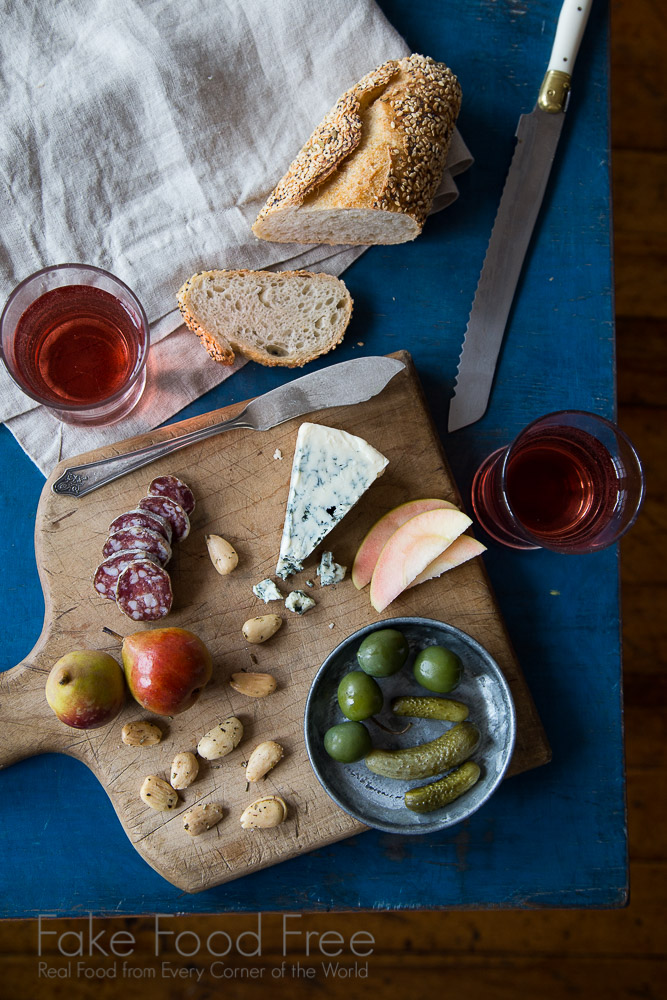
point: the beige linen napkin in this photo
(144, 139)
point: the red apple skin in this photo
(410, 549)
(166, 669)
(369, 551)
(85, 689)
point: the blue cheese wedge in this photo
(329, 571)
(331, 470)
(267, 591)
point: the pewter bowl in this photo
(378, 801)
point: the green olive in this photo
(383, 653)
(437, 669)
(347, 742)
(359, 696)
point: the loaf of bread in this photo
(369, 171)
(276, 318)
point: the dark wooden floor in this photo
(500, 955)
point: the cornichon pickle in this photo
(430, 708)
(441, 793)
(426, 759)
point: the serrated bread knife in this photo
(537, 137)
(343, 384)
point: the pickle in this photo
(430, 708)
(426, 759)
(445, 790)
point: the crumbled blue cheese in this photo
(267, 591)
(331, 470)
(329, 571)
(299, 602)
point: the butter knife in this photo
(343, 384)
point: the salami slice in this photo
(141, 519)
(143, 591)
(175, 489)
(108, 571)
(172, 511)
(140, 539)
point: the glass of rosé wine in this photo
(570, 482)
(75, 338)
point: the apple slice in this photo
(410, 549)
(375, 540)
(461, 550)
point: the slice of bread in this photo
(369, 171)
(275, 318)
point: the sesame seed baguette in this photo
(273, 317)
(369, 171)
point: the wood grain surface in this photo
(241, 489)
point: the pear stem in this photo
(111, 632)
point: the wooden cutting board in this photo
(241, 484)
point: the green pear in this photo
(86, 689)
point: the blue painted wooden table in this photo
(551, 837)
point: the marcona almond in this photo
(264, 813)
(253, 685)
(262, 759)
(221, 740)
(223, 554)
(261, 628)
(184, 769)
(201, 818)
(158, 794)
(141, 734)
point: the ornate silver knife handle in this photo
(345, 384)
(78, 480)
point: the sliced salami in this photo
(175, 489)
(142, 519)
(172, 511)
(143, 591)
(139, 539)
(108, 571)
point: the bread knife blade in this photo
(537, 138)
(344, 384)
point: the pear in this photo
(165, 668)
(86, 689)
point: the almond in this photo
(253, 685)
(264, 813)
(223, 554)
(158, 794)
(221, 740)
(261, 628)
(201, 818)
(262, 759)
(141, 734)
(184, 769)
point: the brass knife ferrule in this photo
(554, 91)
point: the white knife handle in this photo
(569, 32)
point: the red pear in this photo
(166, 669)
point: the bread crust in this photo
(382, 148)
(224, 351)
